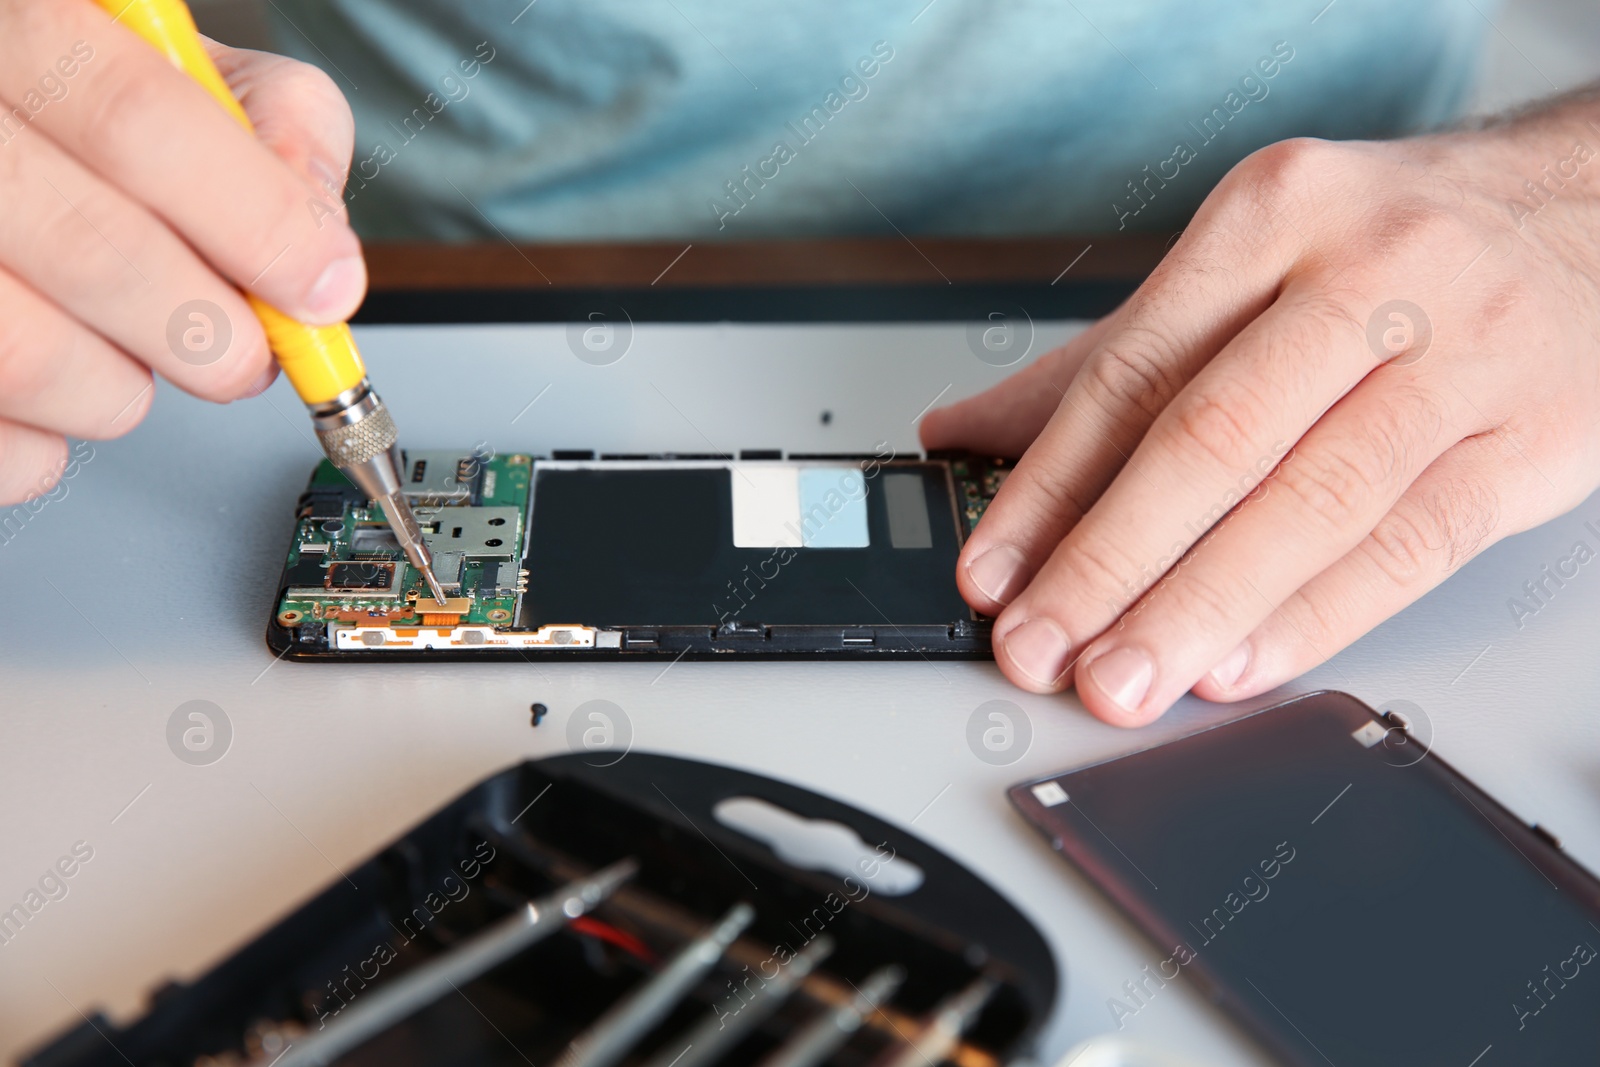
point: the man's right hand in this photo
(135, 210)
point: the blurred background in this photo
(1536, 48)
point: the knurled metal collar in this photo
(358, 442)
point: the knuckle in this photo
(1199, 598)
(1470, 514)
(1281, 177)
(1132, 372)
(1369, 458)
(1096, 572)
(1289, 169)
(1431, 535)
(1048, 487)
(1406, 545)
(1222, 424)
(1333, 483)
(1456, 520)
(1323, 321)
(1318, 618)
(312, 85)
(312, 111)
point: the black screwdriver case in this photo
(528, 830)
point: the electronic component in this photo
(372, 541)
(434, 478)
(305, 576)
(352, 638)
(447, 568)
(489, 579)
(472, 532)
(625, 556)
(455, 605)
(362, 577)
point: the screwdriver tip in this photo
(433, 585)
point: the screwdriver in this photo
(321, 362)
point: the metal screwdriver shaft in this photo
(360, 439)
(426, 983)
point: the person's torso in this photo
(581, 119)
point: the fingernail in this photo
(1038, 648)
(1123, 675)
(1000, 573)
(263, 383)
(1226, 673)
(326, 176)
(338, 289)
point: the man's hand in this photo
(1360, 365)
(135, 209)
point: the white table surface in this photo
(149, 583)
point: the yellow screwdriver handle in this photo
(320, 361)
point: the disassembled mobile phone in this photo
(1345, 893)
(621, 556)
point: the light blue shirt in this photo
(614, 119)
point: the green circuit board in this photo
(345, 569)
(347, 587)
(977, 481)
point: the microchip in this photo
(306, 572)
(326, 506)
(361, 575)
(328, 500)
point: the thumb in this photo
(297, 111)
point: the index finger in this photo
(1223, 434)
(146, 127)
(1182, 315)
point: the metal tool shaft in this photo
(388, 1004)
(360, 438)
(720, 1031)
(819, 1039)
(615, 1032)
(943, 1030)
